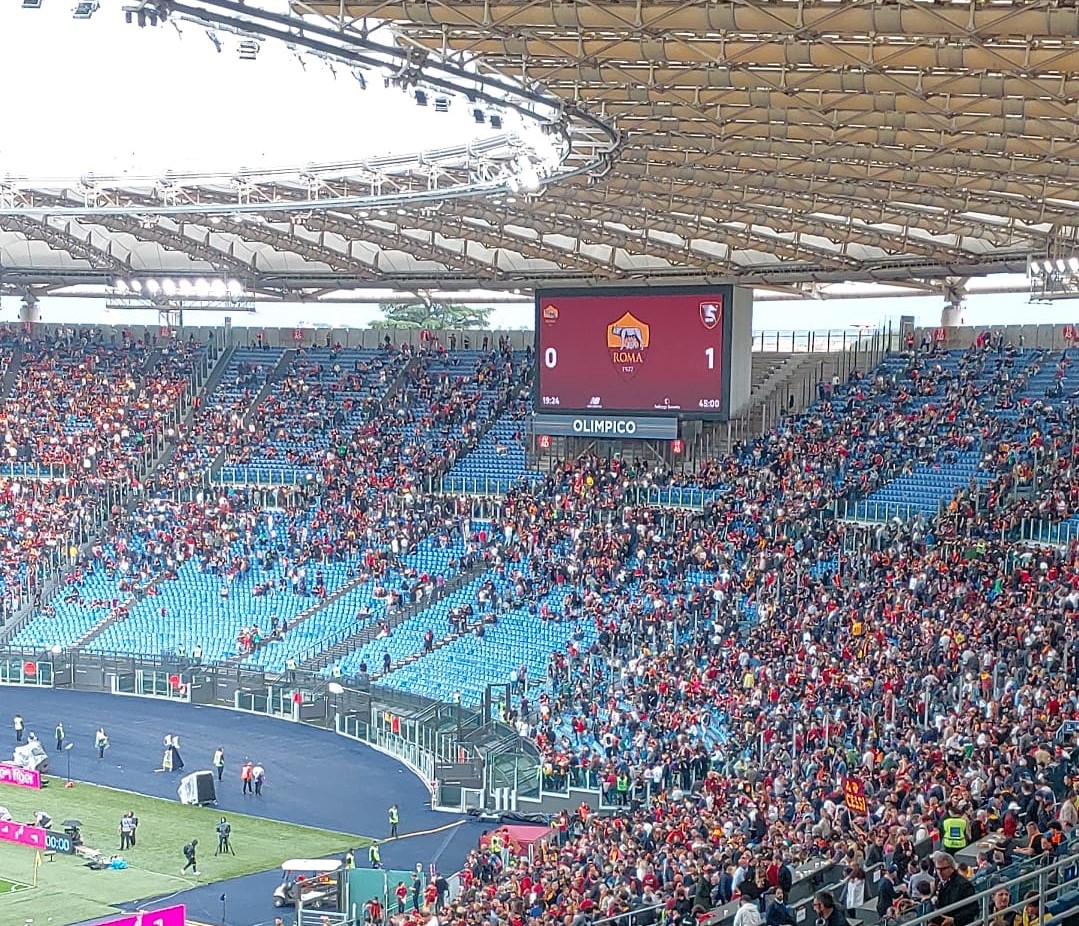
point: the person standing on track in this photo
(219, 761)
(395, 818)
(245, 776)
(19, 725)
(59, 737)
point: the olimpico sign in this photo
(637, 427)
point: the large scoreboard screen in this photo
(656, 350)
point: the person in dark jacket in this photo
(887, 893)
(779, 913)
(828, 914)
(954, 889)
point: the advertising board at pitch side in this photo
(629, 426)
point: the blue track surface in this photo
(313, 777)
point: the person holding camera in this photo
(224, 833)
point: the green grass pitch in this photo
(69, 892)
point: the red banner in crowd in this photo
(854, 794)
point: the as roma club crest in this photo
(710, 314)
(550, 314)
(627, 341)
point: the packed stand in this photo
(92, 404)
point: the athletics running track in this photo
(313, 777)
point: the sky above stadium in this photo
(105, 97)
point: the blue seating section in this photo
(497, 463)
(1003, 387)
(469, 664)
(323, 396)
(217, 420)
(455, 396)
(925, 490)
(342, 617)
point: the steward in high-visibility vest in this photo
(953, 832)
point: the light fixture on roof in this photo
(147, 12)
(249, 50)
(212, 36)
(479, 116)
(1054, 278)
(495, 120)
(31, 4)
(421, 97)
(84, 9)
(526, 174)
(442, 104)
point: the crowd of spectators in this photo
(764, 653)
(749, 657)
(91, 406)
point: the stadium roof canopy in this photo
(794, 145)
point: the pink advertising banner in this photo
(32, 836)
(23, 777)
(166, 916)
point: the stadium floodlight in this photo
(186, 287)
(84, 9)
(202, 287)
(235, 289)
(168, 287)
(153, 287)
(1047, 266)
(135, 286)
(1061, 266)
(120, 286)
(1073, 264)
(218, 289)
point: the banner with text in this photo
(16, 775)
(634, 427)
(854, 793)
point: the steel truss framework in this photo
(790, 144)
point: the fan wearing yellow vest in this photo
(954, 829)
